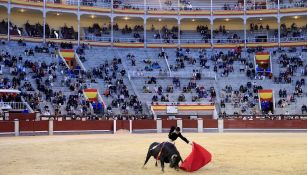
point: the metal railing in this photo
(186, 74)
(293, 39)
(14, 106)
(255, 40)
(27, 105)
(157, 74)
(293, 5)
(163, 74)
(181, 103)
(96, 38)
(265, 117)
(225, 40)
(162, 41)
(217, 6)
(194, 41)
(127, 40)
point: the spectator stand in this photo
(12, 102)
(187, 110)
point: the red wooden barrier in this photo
(82, 125)
(169, 123)
(7, 126)
(22, 116)
(265, 124)
(122, 124)
(144, 124)
(189, 123)
(210, 123)
(33, 125)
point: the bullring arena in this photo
(86, 86)
(233, 152)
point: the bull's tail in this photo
(151, 149)
(147, 157)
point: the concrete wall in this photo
(300, 21)
(87, 21)
(159, 24)
(56, 22)
(3, 13)
(192, 25)
(20, 18)
(131, 22)
(232, 24)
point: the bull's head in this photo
(174, 162)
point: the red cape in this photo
(198, 158)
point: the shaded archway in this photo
(228, 30)
(27, 23)
(128, 29)
(95, 28)
(195, 30)
(162, 30)
(3, 22)
(262, 29)
(293, 28)
(61, 25)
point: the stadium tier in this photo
(155, 24)
(152, 59)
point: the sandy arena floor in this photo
(106, 154)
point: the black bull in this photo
(166, 152)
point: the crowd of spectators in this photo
(98, 31)
(244, 99)
(116, 89)
(204, 32)
(293, 31)
(222, 35)
(69, 32)
(135, 32)
(167, 35)
(3, 27)
(36, 30)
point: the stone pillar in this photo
(200, 125)
(6, 115)
(37, 116)
(159, 125)
(211, 31)
(50, 129)
(145, 32)
(245, 36)
(8, 20)
(179, 36)
(179, 124)
(78, 18)
(114, 126)
(16, 127)
(220, 125)
(112, 30)
(278, 21)
(44, 25)
(130, 126)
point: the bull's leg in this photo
(162, 163)
(156, 163)
(147, 157)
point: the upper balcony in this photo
(170, 7)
